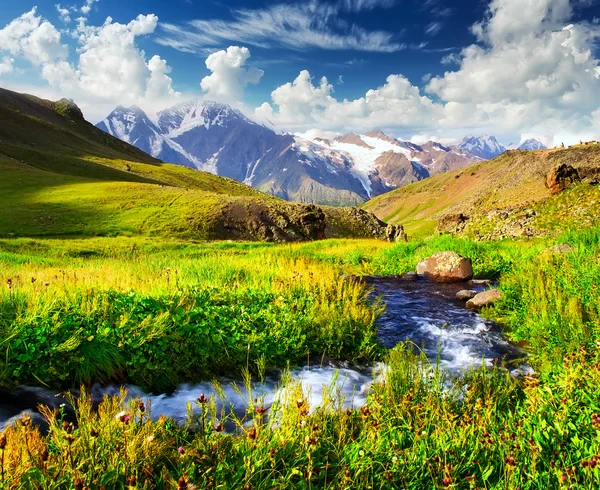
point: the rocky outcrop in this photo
(446, 267)
(68, 108)
(487, 298)
(561, 177)
(395, 233)
(452, 223)
(288, 222)
(466, 294)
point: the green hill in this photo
(61, 176)
(503, 197)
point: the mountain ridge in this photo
(346, 170)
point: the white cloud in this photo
(6, 65)
(63, 13)
(33, 38)
(314, 133)
(532, 71)
(433, 28)
(87, 7)
(311, 24)
(302, 104)
(110, 68)
(229, 74)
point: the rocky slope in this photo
(518, 194)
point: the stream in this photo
(422, 312)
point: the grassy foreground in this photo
(146, 300)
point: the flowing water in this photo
(424, 313)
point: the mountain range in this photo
(346, 170)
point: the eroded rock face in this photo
(561, 177)
(446, 267)
(486, 298)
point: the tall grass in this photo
(488, 430)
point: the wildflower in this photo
(119, 416)
(219, 427)
(395, 459)
(150, 438)
(299, 403)
(9, 283)
(142, 407)
(180, 450)
(2, 442)
(361, 453)
(202, 399)
(68, 427)
(260, 410)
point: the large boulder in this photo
(561, 177)
(487, 298)
(446, 267)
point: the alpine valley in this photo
(346, 170)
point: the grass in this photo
(165, 312)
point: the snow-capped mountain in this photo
(532, 144)
(217, 138)
(485, 147)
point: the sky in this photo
(417, 69)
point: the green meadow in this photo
(157, 313)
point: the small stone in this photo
(487, 298)
(408, 276)
(466, 294)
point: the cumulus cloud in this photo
(33, 38)
(63, 13)
(531, 70)
(6, 65)
(229, 74)
(304, 104)
(298, 26)
(110, 68)
(87, 7)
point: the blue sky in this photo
(418, 69)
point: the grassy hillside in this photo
(514, 183)
(61, 176)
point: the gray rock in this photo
(487, 298)
(446, 267)
(466, 294)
